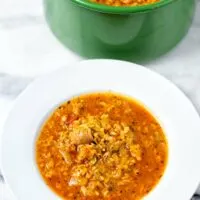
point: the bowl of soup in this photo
(133, 30)
(101, 146)
(103, 130)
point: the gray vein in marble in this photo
(12, 85)
(195, 197)
(1, 178)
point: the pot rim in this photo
(121, 10)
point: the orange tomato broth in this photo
(144, 175)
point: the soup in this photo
(101, 146)
(125, 2)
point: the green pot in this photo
(129, 33)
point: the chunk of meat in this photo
(66, 157)
(81, 137)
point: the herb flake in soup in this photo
(101, 146)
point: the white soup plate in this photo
(172, 108)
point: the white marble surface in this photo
(28, 49)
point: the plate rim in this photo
(43, 77)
